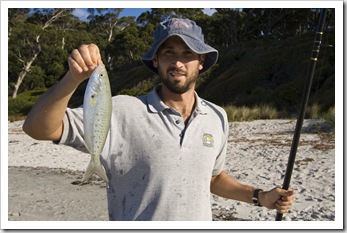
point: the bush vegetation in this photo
(19, 107)
(268, 112)
(254, 78)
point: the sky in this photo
(83, 14)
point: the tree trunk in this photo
(63, 43)
(23, 73)
(56, 15)
(9, 33)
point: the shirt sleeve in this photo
(220, 160)
(73, 129)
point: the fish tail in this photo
(97, 168)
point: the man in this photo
(165, 150)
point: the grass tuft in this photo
(267, 112)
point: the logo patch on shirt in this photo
(207, 140)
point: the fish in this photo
(97, 111)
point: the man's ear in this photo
(155, 62)
(201, 61)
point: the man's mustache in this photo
(177, 70)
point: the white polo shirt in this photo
(158, 167)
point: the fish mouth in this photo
(99, 69)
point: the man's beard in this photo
(174, 86)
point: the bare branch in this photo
(55, 17)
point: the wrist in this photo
(257, 197)
(262, 198)
(74, 81)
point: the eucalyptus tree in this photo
(157, 15)
(27, 45)
(16, 15)
(278, 23)
(105, 20)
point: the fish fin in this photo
(96, 168)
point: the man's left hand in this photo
(277, 198)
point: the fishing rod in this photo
(306, 93)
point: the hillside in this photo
(271, 73)
(252, 73)
(261, 72)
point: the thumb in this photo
(284, 192)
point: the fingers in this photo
(285, 193)
(76, 62)
(84, 59)
(279, 199)
(282, 209)
(284, 203)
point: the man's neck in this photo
(183, 103)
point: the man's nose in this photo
(177, 62)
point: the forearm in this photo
(45, 120)
(225, 186)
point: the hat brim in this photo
(195, 45)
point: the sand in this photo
(44, 178)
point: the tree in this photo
(277, 23)
(107, 22)
(65, 24)
(16, 15)
(29, 46)
(105, 19)
(157, 15)
(129, 44)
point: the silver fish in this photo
(97, 110)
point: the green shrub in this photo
(249, 114)
(268, 112)
(20, 106)
(141, 88)
(313, 112)
(329, 116)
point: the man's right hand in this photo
(83, 61)
(45, 120)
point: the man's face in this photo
(178, 66)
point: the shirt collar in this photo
(155, 104)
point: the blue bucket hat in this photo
(190, 33)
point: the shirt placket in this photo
(180, 126)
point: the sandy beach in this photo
(44, 178)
